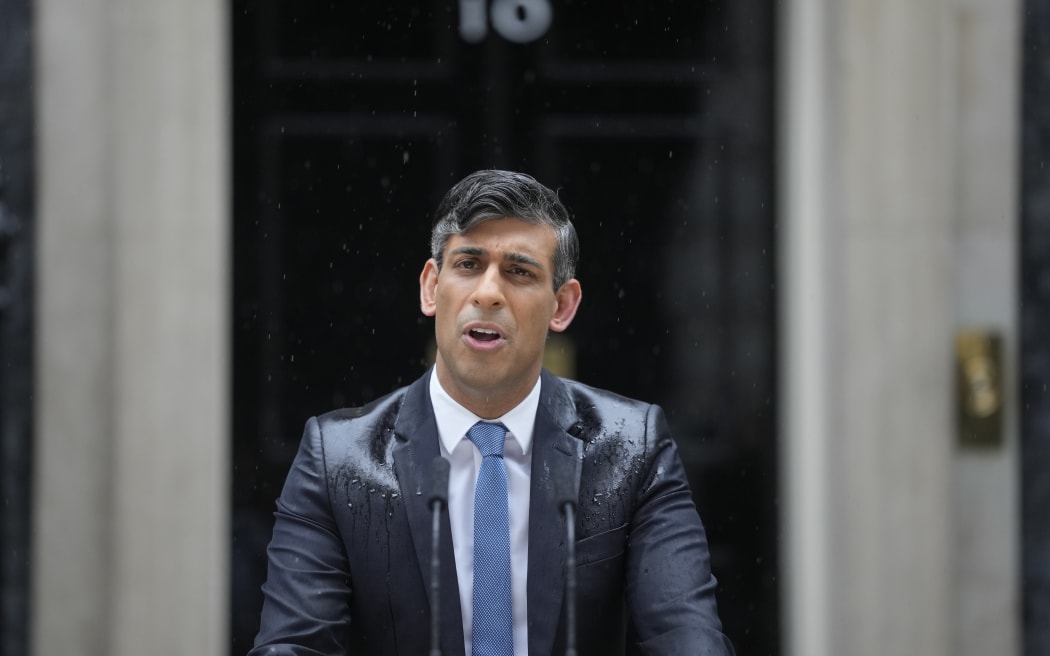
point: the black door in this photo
(653, 119)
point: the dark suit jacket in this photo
(349, 563)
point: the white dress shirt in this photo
(453, 422)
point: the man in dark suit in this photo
(349, 562)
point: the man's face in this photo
(493, 303)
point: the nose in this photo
(489, 292)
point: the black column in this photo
(1035, 328)
(16, 315)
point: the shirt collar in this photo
(453, 420)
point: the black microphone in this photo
(565, 490)
(438, 499)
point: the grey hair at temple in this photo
(493, 194)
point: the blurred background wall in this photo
(900, 182)
(789, 213)
(130, 495)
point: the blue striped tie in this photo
(492, 619)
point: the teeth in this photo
(486, 331)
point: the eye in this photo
(466, 264)
(521, 272)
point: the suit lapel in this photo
(556, 453)
(414, 454)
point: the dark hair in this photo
(491, 194)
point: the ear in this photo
(428, 281)
(567, 301)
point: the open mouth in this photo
(484, 334)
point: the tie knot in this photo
(488, 437)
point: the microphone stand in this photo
(568, 507)
(438, 500)
(566, 488)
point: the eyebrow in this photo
(519, 258)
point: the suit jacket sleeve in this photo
(670, 588)
(306, 607)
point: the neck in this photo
(489, 402)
